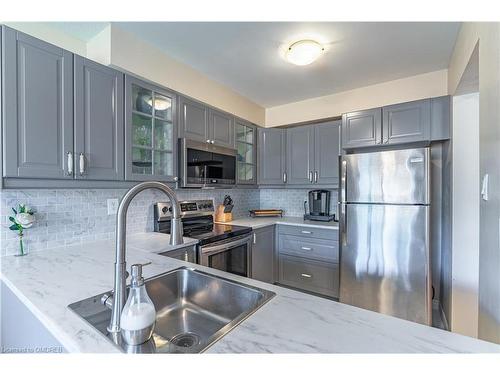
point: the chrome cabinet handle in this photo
(306, 232)
(306, 275)
(316, 177)
(82, 163)
(212, 141)
(254, 238)
(310, 177)
(208, 140)
(69, 156)
(306, 248)
(284, 177)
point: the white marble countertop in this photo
(291, 322)
(156, 242)
(260, 222)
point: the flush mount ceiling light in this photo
(160, 103)
(304, 52)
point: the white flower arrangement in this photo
(24, 218)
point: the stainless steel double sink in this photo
(193, 310)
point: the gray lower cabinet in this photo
(308, 259)
(37, 108)
(326, 152)
(150, 132)
(300, 155)
(362, 128)
(263, 254)
(309, 275)
(406, 122)
(221, 128)
(99, 126)
(272, 158)
(193, 120)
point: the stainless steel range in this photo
(221, 246)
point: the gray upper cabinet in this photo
(37, 108)
(221, 128)
(150, 131)
(271, 150)
(193, 120)
(326, 152)
(263, 254)
(441, 115)
(406, 122)
(362, 128)
(300, 155)
(99, 126)
(246, 147)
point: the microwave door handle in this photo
(208, 250)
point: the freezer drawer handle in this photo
(306, 275)
(306, 232)
(306, 248)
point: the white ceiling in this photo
(246, 58)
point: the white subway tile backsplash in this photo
(69, 216)
(291, 200)
(73, 216)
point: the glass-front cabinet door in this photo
(246, 135)
(150, 151)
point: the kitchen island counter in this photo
(291, 322)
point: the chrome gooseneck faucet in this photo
(119, 296)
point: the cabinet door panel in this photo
(221, 128)
(193, 118)
(271, 163)
(407, 122)
(37, 107)
(99, 126)
(362, 128)
(246, 146)
(263, 255)
(150, 132)
(326, 152)
(300, 155)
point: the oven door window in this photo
(233, 260)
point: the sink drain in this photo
(185, 340)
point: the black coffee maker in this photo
(319, 206)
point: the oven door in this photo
(232, 255)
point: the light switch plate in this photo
(112, 206)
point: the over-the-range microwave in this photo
(204, 165)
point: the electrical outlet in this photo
(112, 206)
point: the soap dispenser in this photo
(139, 315)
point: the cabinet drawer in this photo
(313, 276)
(308, 232)
(310, 248)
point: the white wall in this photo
(398, 91)
(465, 219)
(487, 36)
(119, 48)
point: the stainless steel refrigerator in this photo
(384, 233)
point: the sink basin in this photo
(193, 310)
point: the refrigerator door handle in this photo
(343, 224)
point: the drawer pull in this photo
(306, 275)
(306, 248)
(306, 232)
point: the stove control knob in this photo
(164, 209)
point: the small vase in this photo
(21, 246)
